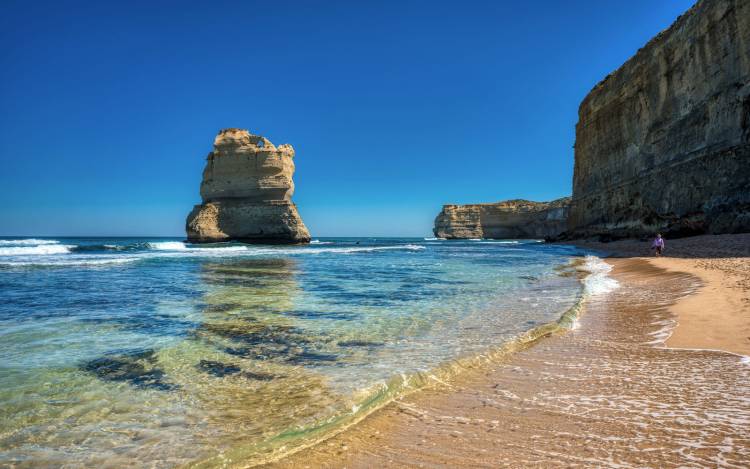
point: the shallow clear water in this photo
(120, 351)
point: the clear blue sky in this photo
(394, 108)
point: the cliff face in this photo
(503, 220)
(246, 190)
(663, 143)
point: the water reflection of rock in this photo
(257, 362)
(247, 314)
(254, 367)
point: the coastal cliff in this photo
(503, 220)
(663, 143)
(246, 190)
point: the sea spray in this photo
(598, 282)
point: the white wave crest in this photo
(317, 241)
(171, 249)
(434, 239)
(408, 247)
(41, 250)
(334, 250)
(168, 246)
(27, 242)
(598, 282)
(68, 262)
(180, 246)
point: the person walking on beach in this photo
(658, 245)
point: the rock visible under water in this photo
(137, 368)
(218, 369)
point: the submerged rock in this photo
(137, 368)
(246, 190)
(663, 143)
(503, 220)
(218, 369)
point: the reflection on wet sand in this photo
(606, 394)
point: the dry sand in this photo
(609, 393)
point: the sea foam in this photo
(44, 249)
(27, 242)
(332, 250)
(598, 282)
(348, 250)
(168, 246)
(65, 261)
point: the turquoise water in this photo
(152, 352)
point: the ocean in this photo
(151, 351)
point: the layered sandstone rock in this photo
(246, 190)
(663, 143)
(503, 220)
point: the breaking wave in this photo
(43, 249)
(105, 247)
(347, 250)
(168, 246)
(52, 254)
(27, 242)
(70, 262)
(598, 282)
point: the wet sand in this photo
(719, 316)
(606, 394)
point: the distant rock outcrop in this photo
(503, 220)
(663, 143)
(246, 190)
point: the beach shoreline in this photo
(626, 396)
(717, 316)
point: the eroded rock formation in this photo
(246, 190)
(663, 143)
(503, 220)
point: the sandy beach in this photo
(718, 316)
(655, 374)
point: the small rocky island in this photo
(503, 220)
(246, 190)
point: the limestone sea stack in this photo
(503, 220)
(663, 143)
(246, 190)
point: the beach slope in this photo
(609, 392)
